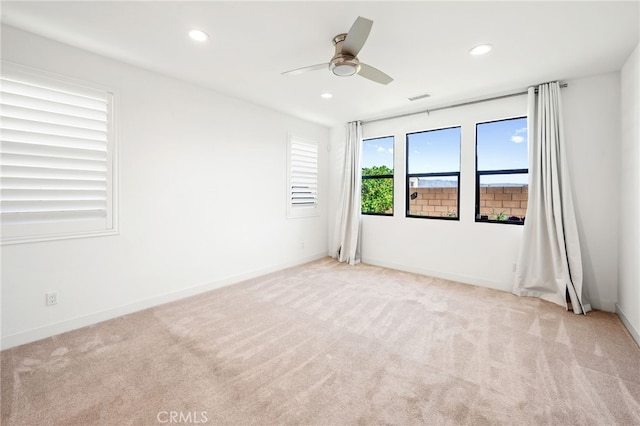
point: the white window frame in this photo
(26, 224)
(297, 209)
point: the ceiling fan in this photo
(345, 62)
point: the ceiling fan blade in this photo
(305, 69)
(357, 36)
(374, 74)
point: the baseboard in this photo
(39, 333)
(465, 279)
(602, 305)
(625, 321)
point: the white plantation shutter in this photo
(56, 169)
(303, 178)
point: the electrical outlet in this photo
(52, 298)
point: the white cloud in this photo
(380, 149)
(522, 130)
(390, 150)
(517, 139)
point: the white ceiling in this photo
(422, 45)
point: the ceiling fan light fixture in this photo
(344, 65)
(480, 49)
(345, 69)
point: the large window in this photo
(433, 173)
(58, 157)
(377, 176)
(502, 171)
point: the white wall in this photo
(628, 307)
(484, 253)
(202, 201)
(479, 253)
(592, 129)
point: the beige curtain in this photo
(348, 215)
(550, 263)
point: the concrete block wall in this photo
(434, 202)
(508, 200)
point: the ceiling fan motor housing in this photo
(343, 64)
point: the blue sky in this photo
(434, 151)
(500, 145)
(378, 152)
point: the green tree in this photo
(377, 193)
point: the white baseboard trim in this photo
(49, 330)
(635, 334)
(465, 279)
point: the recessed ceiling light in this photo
(481, 49)
(326, 96)
(198, 35)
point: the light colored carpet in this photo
(330, 344)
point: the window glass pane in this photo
(433, 196)
(377, 160)
(502, 164)
(377, 196)
(502, 145)
(433, 169)
(434, 151)
(377, 156)
(503, 197)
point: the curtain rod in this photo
(428, 111)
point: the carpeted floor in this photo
(329, 344)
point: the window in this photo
(58, 147)
(377, 176)
(433, 173)
(303, 178)
(502, 171)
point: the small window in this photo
(502, 189)
(58, 144)
(433, 173)
(302, 198)
(377, 176)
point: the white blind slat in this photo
(17, 148)
(49, 173)
(22, 207)
(53, 184)
(17, 194)
(39, 218)
(34, 126)
(98, 123)
(14, 100)
(40, 161)
(27, 137)
(45, 90)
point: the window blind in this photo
(56, 157)
(303, 175)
